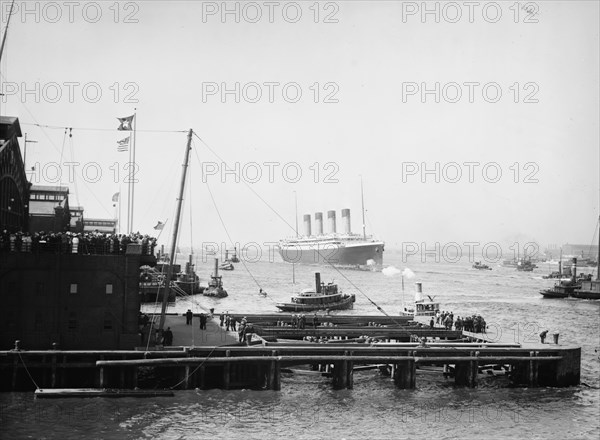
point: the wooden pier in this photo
(391, 346)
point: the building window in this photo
(109, 289)
(108, 323)
(72, 324)
(73, 288)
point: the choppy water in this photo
(307, 407)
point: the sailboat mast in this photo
(362, 199)
(167, 286)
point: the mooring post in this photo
(405, 373)
(186, 379)
(274, 373)
(533, 369)
(101, 374)
(226, 371)
(350, 374)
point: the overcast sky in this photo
(334, 90)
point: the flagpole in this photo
(119, 219)
(129, 191)
(132, 180)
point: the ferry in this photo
(324, 297)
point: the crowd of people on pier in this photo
(473, 323)
(86, 243)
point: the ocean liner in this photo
(340, 249)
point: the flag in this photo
(159, 226)
(123, 144)
(125, 123)
(115, 197)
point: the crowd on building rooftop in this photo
(86, 243)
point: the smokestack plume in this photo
(319, 223)
(346, 220)
(331, 221)
(307, 229)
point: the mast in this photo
(362, 199)
(12, 5)
(598, 256)
(167, 286)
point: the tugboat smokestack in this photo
(574, 269)
(307, 229)
(319, 223)
(317, 282)
(346, 220)
(216, 267)
(331, 220)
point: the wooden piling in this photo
(405, 373)
(568, 369)
(532, 369)
(227, 372)
(274, 373)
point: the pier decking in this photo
(213, 358)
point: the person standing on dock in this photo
(222, 318)
(167, 337)
(543, 336)
(431, 323)
(202, 321)
(227, 321)
(315, 321)
(188, 317)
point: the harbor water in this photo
(307, 407)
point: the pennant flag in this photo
(123, 144)
(116, 197)
(126, 123)
(159, 226)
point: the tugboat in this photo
(421, 307)
(215, 285)
(233, 258)
(564, 289)
(188, 281)
(480, 266)
(324, 297)
(590, 289)
(525, 265)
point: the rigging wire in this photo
(55, 127)
(379, 308)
